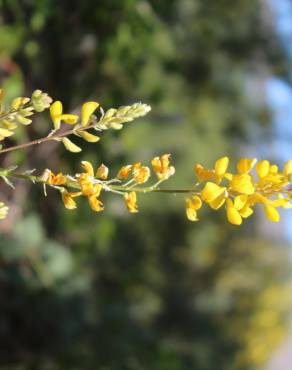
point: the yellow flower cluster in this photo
(241, 191)
(113, 118)
(90, 184)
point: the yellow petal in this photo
(70, 119)
(71, 147)
(56, 110)
(263, 168)
(246, 211)
(95, 204)
(272, 214)
(228, 176)
(124, 172)
(131, 201)
(245, 165)
(219, 201)
(89, 137)
(239, 201)
(233, 215)
(191, 214)
(221, 166)
(87, 110)
(274, 169)
(211, 191)
(288, 167)
(196, 202)
(242, 184)
(87, 166)
(68, 200)
(203, 174)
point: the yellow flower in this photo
(141, 173)
(221, 166)
(233, 215)
(271, 213)
(203, 174)
(245, 165)
(192, 205)
(58, 179)
(88, 168)
(162, 168)
(242, 184)
(102, 172)
(238, 209)
(214, 195)
(56, 111)
(131, 201)
(86, 185)
(217, 174)
(68, 200)
(124, 172)
(87, 110)
(263, 168)
(95, 204)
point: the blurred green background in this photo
(151, 291)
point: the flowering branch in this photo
(238, 192)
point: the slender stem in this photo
(152, 190)
(46, 138)
(75, 185)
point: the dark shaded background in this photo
(115, 291)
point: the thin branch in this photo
(46, 139)
(120, 188)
